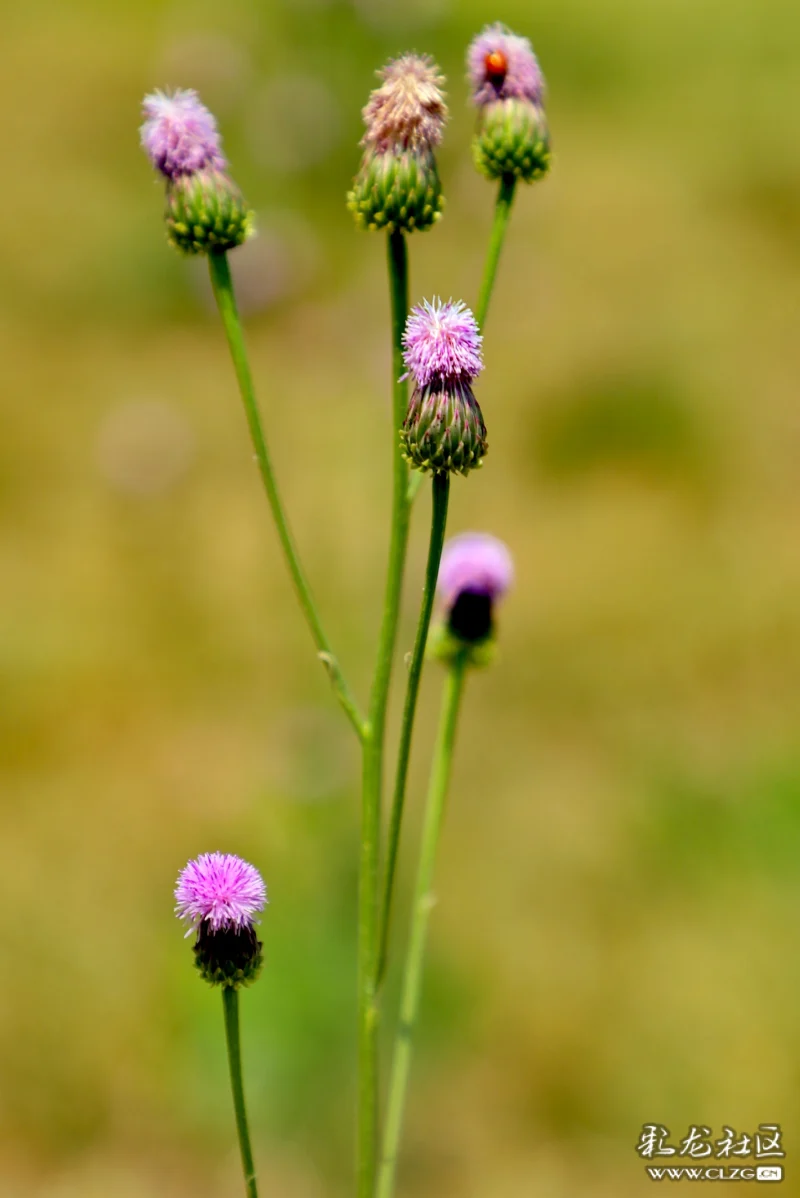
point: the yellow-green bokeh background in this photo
(617, 935)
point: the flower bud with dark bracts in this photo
(443, 431)
(475, 572)
(219, 895)
(228, 956)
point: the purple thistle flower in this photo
(502, 66)
(180, 135)
(441, 341)
(220, 891)
(475, 571)
(474, 563)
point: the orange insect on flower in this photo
(496, 65)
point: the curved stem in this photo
(423, 903)
(502, 211)
(440, 497)
(230, 1006)
(373, 744)
(226, 302)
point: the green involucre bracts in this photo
(206, 212)
(396, 191)
(512, 140)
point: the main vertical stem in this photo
(439, 503)
(423, 902)
(373, 744)
(502, 211)
(230, 1006)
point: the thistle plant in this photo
(475, 573)
(204, 209)
(434, 434)
(512, 141)
(443, 431)
(220, 895)
(397, 187)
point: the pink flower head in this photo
(503, 66)
(442, 342)
(180, 135)
(474, 563)
(221, 891)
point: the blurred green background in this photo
(616, 941)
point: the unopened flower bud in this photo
(475, 572)
(220, 895)
(205, 210)
(397, 186)
(443, 431)
(512, 139)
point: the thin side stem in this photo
(230, 1006)
(502, 211)
(416, 479)
(373, 745)
(423, 903)
(440, 498)
(226, 302)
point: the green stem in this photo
(230, 1006)
(423, 903)
(441, 495)
(226, 302)
(502, 211)
(415, 484)
(373, 744)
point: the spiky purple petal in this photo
(180, 135)
(502, 66)
(441, 341)
(220, 890)
(474, 562)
